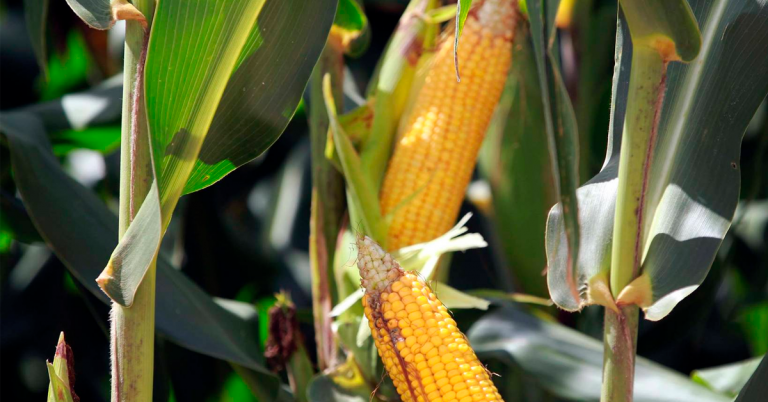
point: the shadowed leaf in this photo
(569, 363)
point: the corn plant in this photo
(374, 304)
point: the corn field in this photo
(384, 200)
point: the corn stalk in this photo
(133, 328)
(661, 32)
(327, 201)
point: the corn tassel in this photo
(437, 146)
(425, 354)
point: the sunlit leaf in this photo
(233, 81)
(265, 89)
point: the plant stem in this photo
(327, 201)
(645, 97)
(133, 329)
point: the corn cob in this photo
(425, 354)
(437, 148)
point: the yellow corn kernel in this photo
(437, 148)
(421, 366)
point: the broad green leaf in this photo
(58, 390)
(756, 388)
(462, 11)
(693, 187)
(569, 363)
(728, 379)
(515, 162)
(83, 232)
(36, 16)
(265, 89)
(190, 60)
(204, 65)
(561, 130)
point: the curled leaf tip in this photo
(106, 276)
(123, 10)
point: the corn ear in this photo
(425, 354)
(437, 147)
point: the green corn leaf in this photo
(205, 65)
(266, 87)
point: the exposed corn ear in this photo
(437, 148)
(425, 354)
